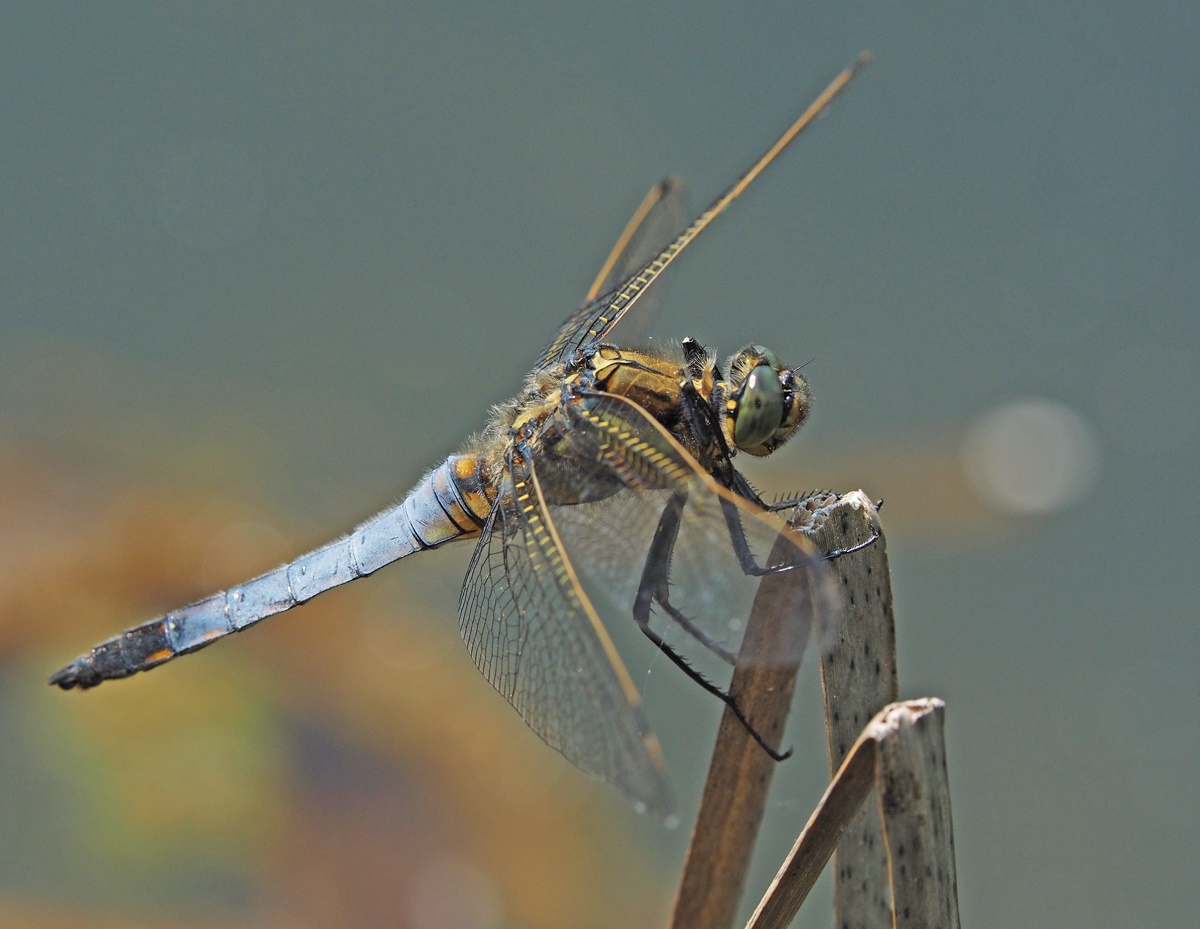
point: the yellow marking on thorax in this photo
(651, 382)
(537, 410)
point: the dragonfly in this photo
(606, 487)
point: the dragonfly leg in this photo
(741, 547)
(655, 583)
(654, 588)
(724, 696)
(789, 503)
(743, 488)
(746, 557)
(706, 427)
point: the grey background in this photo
(317, 240)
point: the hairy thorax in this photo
(536, 418)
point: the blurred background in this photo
(262, 266)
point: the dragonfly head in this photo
(765, 402)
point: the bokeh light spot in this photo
(1030, 457)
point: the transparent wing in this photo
(593, 321)
(660, 217)
(534, 634)
(676, 549)
(656, 222)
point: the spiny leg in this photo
(654, 589)
(741, 548)
(654, 586)
(791, 503)
(724, 696)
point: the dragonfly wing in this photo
(534, 634)
(593, 321)
(715, 540)
(656, 222)
(659, 218)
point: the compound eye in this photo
(759, 409)
(768, 357)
